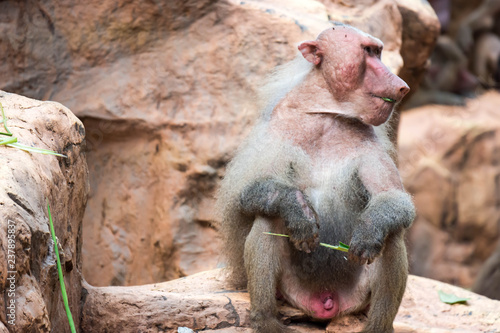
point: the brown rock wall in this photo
(450, 162)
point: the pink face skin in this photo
(349, 61)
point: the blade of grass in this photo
(59, 271)
(8, 141)
(273, 234)
(335, 247)
(341, 247)
(35, 150)
(387, 99)
(4, 120)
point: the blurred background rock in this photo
(450, 155)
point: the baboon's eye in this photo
(373, 51)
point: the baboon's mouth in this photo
(386, 99)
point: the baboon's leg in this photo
(263, 266)
(388, 285)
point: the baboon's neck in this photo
(314, 96)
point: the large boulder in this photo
(166, 91)
(203, 302)
(450, 162)
(29, 286)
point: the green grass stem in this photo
(8, 141)
(341, 247)
(35, 150)
(59, 270)
(4, 121)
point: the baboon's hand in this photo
(366, 245)
(268, 197)
(303, 240)
(301, 221)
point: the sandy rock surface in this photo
(203, 302)
(27, 181)
(449, 161)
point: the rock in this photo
(420, 32)
(166, 91)
(459, 11)
(203, 302)
(28, 180)
(449, 161)
(422, 311)
(487, 282)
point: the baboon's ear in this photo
(311, 52)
